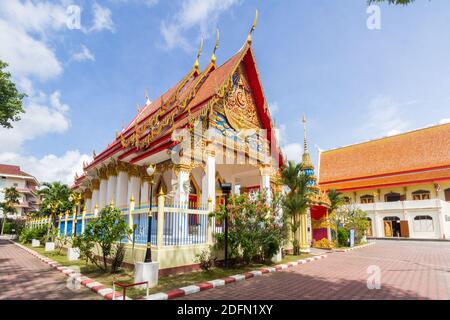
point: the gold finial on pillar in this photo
(200, 50)
(213, 57)
(249, 38)
(161, 192)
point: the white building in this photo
(26, 184)
(402, 182)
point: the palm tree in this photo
(7, 206)
(55, 200)
(296, 201)
(336, 201)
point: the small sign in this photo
(352, 237)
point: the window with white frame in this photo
(423, 224)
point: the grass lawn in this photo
(165, 283)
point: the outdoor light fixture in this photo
(226, 190)
(148, 253)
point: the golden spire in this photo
(213, 57)
(249, 38)
(200, 50)
(306, 158)
(147, 100)
(94, 155)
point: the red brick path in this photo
(25, 277)
(409, 270)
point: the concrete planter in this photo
(73, 254)
(146, 272)
(49, 246)
(35, 243)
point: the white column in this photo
(88, 203)
(134, 186)
(144, 193)
(378, 226)
(95, 200)
(181, 197)
(210, 180)
(122, 189)
(102, 193)
(111, 189)
(265, 183)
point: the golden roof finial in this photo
(94, 155)
(147, 99)
(213, 57)
(249, 38)
(200, 50)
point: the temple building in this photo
(401, 181)
(25, 184)
(213, 126)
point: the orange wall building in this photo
(401, 181)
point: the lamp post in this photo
(226, 189)
(148, 252)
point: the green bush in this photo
(7, 228)
(205, 259)
(255, 234)
(29, 234)
(343, 236)
(104, 231)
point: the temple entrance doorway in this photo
(394, 227)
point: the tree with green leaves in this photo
(10, 99)
(297, 199)
(336, 201)
(7, 206)
(104, 231)
(54, 201)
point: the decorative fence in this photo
(173, 224)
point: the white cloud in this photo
(444, 121)
(385, 116)
(83, 55)
(293, 151)
(192, 14)
(25, 55)
(148, 3)
(50, 167)
(274, 108)
(43, 115)
(102, 19)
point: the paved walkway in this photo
(24, 277)
(409, 270)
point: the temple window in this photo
(421, 195)
(367, 198)
(423, 224)
(392, 197)
(447, 194)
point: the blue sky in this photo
(315, 57)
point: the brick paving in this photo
(24, 277)
(409, 270)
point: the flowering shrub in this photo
(255, 229)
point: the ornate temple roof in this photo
(151, 128)
(418, 156)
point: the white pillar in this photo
(122, 189)
(134, 186)
(111, 189)
(102, 193)
(144, 193)
(95, 198)
(378, 226)
(88, 203)
(265, 182)
(210, 180)
(181, 197)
